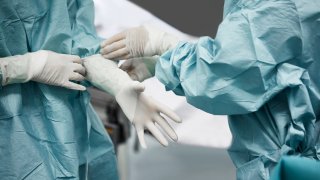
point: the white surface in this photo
(198, 127)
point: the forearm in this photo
(20, 68)
(105, 74)
(238, 69)
(12, 69)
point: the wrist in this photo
(37, 60)
(169, 42)
(116, 81)
(127, 97)
(105, 74)
(159, 41)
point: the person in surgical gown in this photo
(50, 132)
(262, 70)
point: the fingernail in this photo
(165, 144)
(175, 137)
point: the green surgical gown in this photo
(49, 132)
(262, 70)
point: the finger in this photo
(134, 77)
(117, 54)
(140, 132)
(76, 77)
(157, 134)
(125, 57)
(79, 69)
(168, 112)
(113, 47)
(106, 57)
(71, 58)
(127, 65)
(114, 38)
(166, 127)
(138, 87)
(74, 86)
(76, 59)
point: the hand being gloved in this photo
(140, 69)
(143, 41)
(143, 111)
(45, 67)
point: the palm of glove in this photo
(143, 41)
(125, 45)
(59, 70)
(144, 113)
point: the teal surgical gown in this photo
(49, 132)
(262, 70)
(296, 168)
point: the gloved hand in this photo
(140, 69)
(143, 41)
(142, 111)
(45, 67)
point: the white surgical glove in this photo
(143, 41)
(45, 67)
(140, 69)
(142, 111)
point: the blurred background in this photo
(201, 152)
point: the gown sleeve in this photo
(254, 56)
(85, 41)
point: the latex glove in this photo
(143, 41)
(140, 69)
(45, 67)
(142, 111)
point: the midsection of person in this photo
(46, 131)
(261, 138)
(261, 70)
(288, 124)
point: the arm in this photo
(44, 67)
(255, 56)
(142, 111)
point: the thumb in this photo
(138, 87)
(127, 65)
(74, 86)
(140, 132)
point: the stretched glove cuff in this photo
(159, 41)
(15, 69)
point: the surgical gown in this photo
(49, 132)
(262, 70)
(296, 168)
